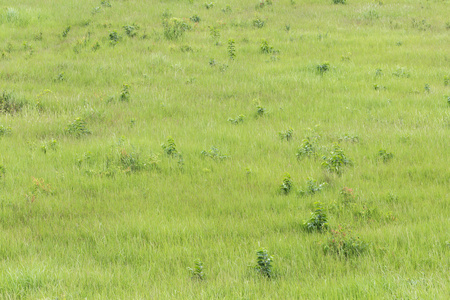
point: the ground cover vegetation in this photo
(149, 149)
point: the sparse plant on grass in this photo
(384, 156)
(323, 68)
(260, 110)
(170, 148)
(347, 195)
(342, 245)
(2, 171)
(318, 221)
(427, 88)
(38, 187)
(231, 49)
(237, 120)
(287, 184)
(401, 72)
(114, 38)
(131, 30)
(265, 47)
(125, 93)
(312, 187)
(209, 5)
(49, 145)
(349, 138)
(195, 19)
(214, 153)
(215, 34)
(446, 80)
(339, 1)
(78, 128)
(9, 103)
(336, 160)
(66, 31)
(421, 25)
(227, 9)
(306, 149)
(258, 23)
(264, 263)
(174, 28)
(264, 3)
(197, 271)
(4, 130)
(286, 135)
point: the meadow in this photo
(290, 149)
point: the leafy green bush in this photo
(323, 68)
(78, 128)
(231, 49)
(4, 130)
(384, 156)
(171, 148)
(318, 220)
(336, 160)
(286, 135)
(197, 271)
(287, 185)
(174, 28)
(339, 1)
(307, 149)
(264, 263)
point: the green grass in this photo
(97, 209)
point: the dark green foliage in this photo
(318, 220)
(264, 263)
(77, 128)
(2, 171)
(195, 19)
(231, 49)
(287, 185)
(323, 68)
(215, 154)
(286, 135)
(114, 37)
(339, 1)
(66, 31)
(170, 148)
(384, 156)
(342, 245)
(336, 160)
(125, 93)
(265, 47)
(197, 271)
(209, 5)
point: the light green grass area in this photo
(138, 137)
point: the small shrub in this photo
(209, 5)
(195, 19)
(336, 160)
(174, 28)
(307, 149)
(312, 187)
(227, 9)
(170, 148)
(258, 23)
(287, 185)
(323, 68)
(78, 128)
(214, 153)
(9, 103)
(125, 93)
(4, 130)
(131, 30)
(66, 31)
(339, 1)
(265, 47)
(264, 263)
(286, 135)
(215, 34)
(197, 271)
(114, 38)
(238, 120)
(231, 49)
(384, 156)
(342, 245)
(318, 220)
(260, 110)
(427, 88)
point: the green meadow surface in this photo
(92, 206)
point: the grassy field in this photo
(140, 137)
